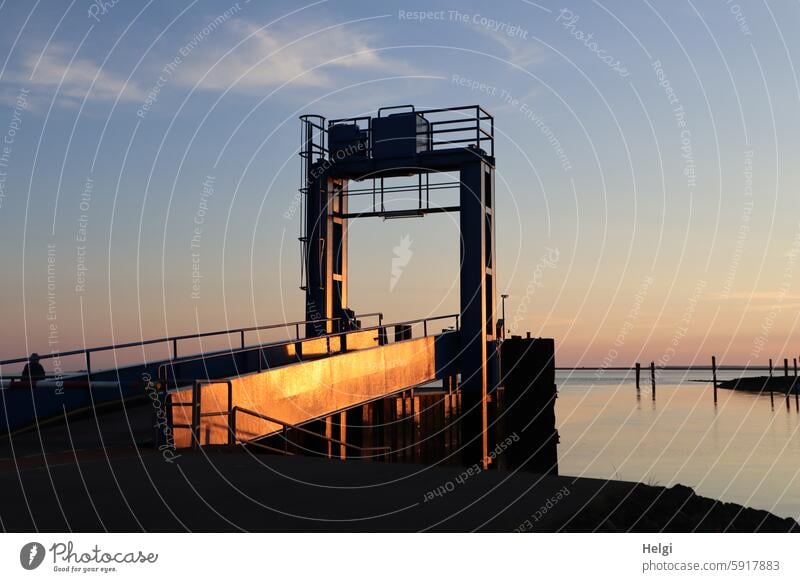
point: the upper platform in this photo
(398, 141)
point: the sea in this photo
(743, 449)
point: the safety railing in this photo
(474, 126)
(241, 331)
(382, 338)
(286, 426)
(312, 138)
(197, 414)
(197, 408)
(464, 126)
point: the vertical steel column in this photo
(326, 250)
(315, 232)
(337, 252)
(478, 305)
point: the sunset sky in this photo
(647, 170)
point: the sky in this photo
(646, 175)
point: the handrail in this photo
(197, 415)
(196, 406)
(175, 339)
(285, 425)
(328, 337)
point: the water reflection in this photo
(742, 450)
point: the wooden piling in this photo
(653, 378)
(770, 367)
(771, 390)
(638, 374)
(786, 376)
(796, 397)
(714, 375)
(794, 388)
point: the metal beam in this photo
(410, 213)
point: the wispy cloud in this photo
(322, 56)
(272, 57)
(75, 78)
(522, 52)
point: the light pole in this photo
(503, 296)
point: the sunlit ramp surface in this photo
(244, 407)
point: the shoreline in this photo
(304, 494)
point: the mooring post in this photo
(771, 387)
(786, 377)
(794, 387)
(796, 396)
(653, 378)
(714, 375)
(771, 394)
(638, 374)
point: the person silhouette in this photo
(33, 370)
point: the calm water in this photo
(742, 450)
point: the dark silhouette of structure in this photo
(386, 150)
(402, 142)
(424, 391)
